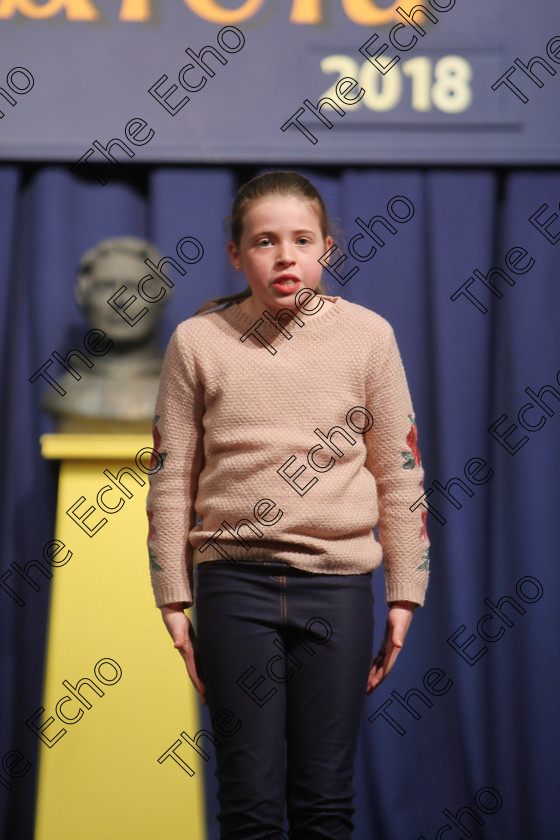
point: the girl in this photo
(286, 433)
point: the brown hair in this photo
(278, 183)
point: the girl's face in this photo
(279, 250)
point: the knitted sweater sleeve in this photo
(394, 459)
(178, 441)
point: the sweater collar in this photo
(242, 321)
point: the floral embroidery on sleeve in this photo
(157, 459)
(412, 459)
(425, 564)
(152, 533)
(157, 444)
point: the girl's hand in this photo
(178, 626)
(398, 622)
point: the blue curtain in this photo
(461, 734)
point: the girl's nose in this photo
(285, 254)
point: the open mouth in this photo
(286, 284)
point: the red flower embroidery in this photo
(412, 455)
(412, 443)
(151, 526)
(424, 532)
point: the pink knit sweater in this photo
(289, 442)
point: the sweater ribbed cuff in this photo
(173, 595)
(410, 592)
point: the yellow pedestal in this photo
(99, 776)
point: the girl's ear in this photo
(329, 242)
(234, 257)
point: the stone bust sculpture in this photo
(118, 393)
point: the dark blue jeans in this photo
(286, 654)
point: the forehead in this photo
(281, 212)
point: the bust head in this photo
(111, 265)
(118, 393)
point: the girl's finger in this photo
(187, 652)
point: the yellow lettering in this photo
(135, 10)
(364, 12)
(75, 9)
(210, 10)
(368, 13)
(306, 11)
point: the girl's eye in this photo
(303, 239)
(264, 242)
